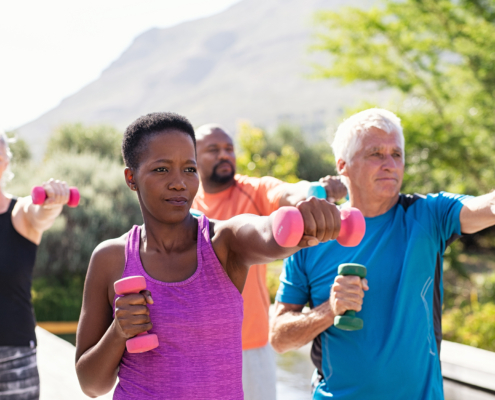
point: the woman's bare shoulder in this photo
(108, 258)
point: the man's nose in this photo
(224, 154)
(389, 162)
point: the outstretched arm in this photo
(478, 213)
(32, 220)
(296, 192)
(248, 239)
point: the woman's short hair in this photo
(140, 131)
(349, 133)
(7, 174)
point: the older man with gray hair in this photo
(396, 354)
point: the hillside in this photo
(248, 62)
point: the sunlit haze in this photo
(50, 49)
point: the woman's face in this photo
(4, 159)
(167, 178)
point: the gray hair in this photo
(7, 175)
(349, 133)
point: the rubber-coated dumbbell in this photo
(288, 227)
(349, 321)
(142, 341)
(38, 195)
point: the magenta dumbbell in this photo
(288, 227)
(38, 195)
(142, 341)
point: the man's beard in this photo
(222, 178)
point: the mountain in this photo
(248, 62)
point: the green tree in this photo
(315, 160)
(439, 56)
(102, 140)
(20, 149)
(256, 159)
(283, 154)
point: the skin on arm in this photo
(32, 220)
(291, 328)
(321, 223)
(101, 339)
(478, 213)
(296, 192)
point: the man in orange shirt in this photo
(223, 195)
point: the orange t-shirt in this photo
(253, 196)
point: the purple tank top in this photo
(198, 322)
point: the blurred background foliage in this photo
(437, 58)
(285, 154)
(99, 140)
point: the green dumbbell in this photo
(349, 321)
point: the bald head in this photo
(216, 157)
(208, 129)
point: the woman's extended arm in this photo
(248, 239)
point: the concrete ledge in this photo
(468, 365)
(56, 365)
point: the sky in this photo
(52, 48)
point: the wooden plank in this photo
(59, 327)
(468, 364)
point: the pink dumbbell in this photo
(143, 341)
(288, 227)
(38, 195)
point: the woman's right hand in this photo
(132, 315)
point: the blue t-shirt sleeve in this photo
(445, 209)
(294, 287)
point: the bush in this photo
(19, 148)
(472, 326)
(107, 210)
(272, 283)
(57, 301)
(102, 140)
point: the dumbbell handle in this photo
(288, 227)
(38, 195)
(130, 285)
(348, 321)
(142, 341)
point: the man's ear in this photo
(129, 179)
(342, 167)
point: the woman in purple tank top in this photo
(194, 269)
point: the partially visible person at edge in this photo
(396, 355)
(195, 270)
(223, 194)
(21, 226)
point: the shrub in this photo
(272, 283)
(102, 140)
(472, 326)
(57, 301)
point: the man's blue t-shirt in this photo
(396, 355)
